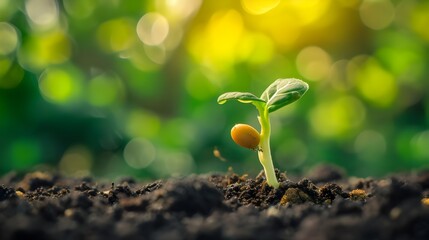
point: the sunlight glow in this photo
(216, 44)
(258, 7)
(41, 50)
(179, 9)
(152, 29)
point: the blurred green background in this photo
(113, 88)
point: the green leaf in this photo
(283, 92)
(243, 97)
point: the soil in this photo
(325, 204)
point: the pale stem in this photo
(264, 152)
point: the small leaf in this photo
(283, 92)
(243, 97)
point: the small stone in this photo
(295, 196)
(358, 195)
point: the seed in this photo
(245, 136)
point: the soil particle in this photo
(33, 181)
(326, 205)
(6, 193)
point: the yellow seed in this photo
(245, 136)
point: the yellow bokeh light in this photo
(256, 48)
(152, 29)
(314, 63)
(178, 10)
(284, 30)
(216, 44)
(349, 3)
(8, 38)
(42, 50)
(306, 12)
(377, 14)
(116, 35)
(420, 19)
(337, 118)
(376, 84)
(57, 85)
(286, 22)
(258, 7)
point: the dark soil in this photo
(325, 205)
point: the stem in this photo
(264, 153)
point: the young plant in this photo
(279, 94)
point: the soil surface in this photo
(324, 205)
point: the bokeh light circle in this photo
(152, 29)
(377, 14)
(258, 7)
(139, 153)
(58, 85)
(8, 38)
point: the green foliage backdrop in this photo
(112, 88)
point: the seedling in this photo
(279, 94)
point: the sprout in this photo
(279, 94)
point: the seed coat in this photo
(245, 136)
